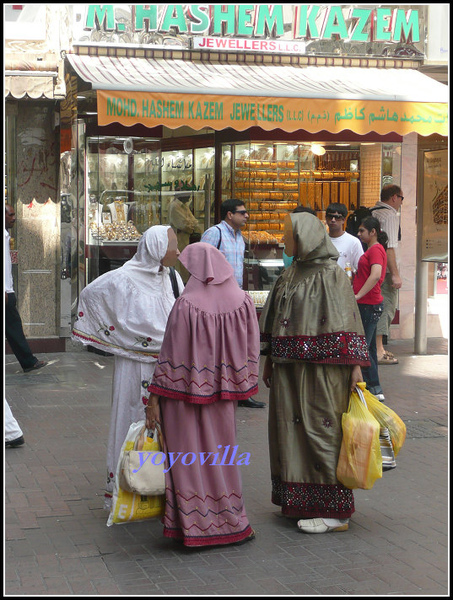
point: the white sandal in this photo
(319, 525)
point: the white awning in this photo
(284, 81)
(35, 86)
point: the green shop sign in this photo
(355, 25)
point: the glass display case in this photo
(121, 196)
(129, 185)
(190, 171)
(273, 178)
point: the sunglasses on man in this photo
(333, 216)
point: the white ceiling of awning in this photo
(290, 81)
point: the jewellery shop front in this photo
(240, 101)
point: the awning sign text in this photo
(290, 114)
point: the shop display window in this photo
(274, 178)
(123, 185)
(190, 171)
(391, 164)
(122, 196)
(129, 184)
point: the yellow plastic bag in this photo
(128, 507)
(387, 418)
(360, 460)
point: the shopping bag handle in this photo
(140, 439)
(360, 395)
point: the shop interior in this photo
(130, 181)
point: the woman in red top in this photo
(367, 289)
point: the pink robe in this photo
(209, 359)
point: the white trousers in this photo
(12, 429)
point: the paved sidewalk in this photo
(57, 542)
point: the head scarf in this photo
(311, 238)
(125, 311)
(212, 283)
(311, 313)
(206, 263)
(146, 262)
(211, 347)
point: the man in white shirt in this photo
(349, 247)
(391, 200)
(13, 324)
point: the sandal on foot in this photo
(388, 359)
(319, 526)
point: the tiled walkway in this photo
(57, 541)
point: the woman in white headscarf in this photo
(125, 312)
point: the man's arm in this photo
(393, 268)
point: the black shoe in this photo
(36, 366)
(251, 403)
(14, 443)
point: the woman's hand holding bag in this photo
(142, 471)
(127, 506)
(360, 460)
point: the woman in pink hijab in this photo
(208, 361)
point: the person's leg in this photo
(370, 315)
(15, 334)
(390, 295)
(13, 433)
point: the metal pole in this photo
(421, 304)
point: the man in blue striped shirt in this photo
(227, 237)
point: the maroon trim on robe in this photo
(308, 500)
(340, 347)
(194, 399)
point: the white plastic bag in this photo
(128, 507)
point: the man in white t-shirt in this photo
(349, 247)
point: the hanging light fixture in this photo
(318, 149)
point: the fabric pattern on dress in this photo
(114, 311)
(312, 329)
(214, 362)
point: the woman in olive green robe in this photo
(312, 334)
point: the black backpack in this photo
(355, 218)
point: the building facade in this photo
(278, 105)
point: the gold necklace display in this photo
(115, 232)
(120, 211)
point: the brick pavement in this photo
(57, 542)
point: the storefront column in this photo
(407, 246)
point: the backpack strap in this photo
(220, 238)
(174, 282)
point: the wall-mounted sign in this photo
(435, 206)
(364, 30)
